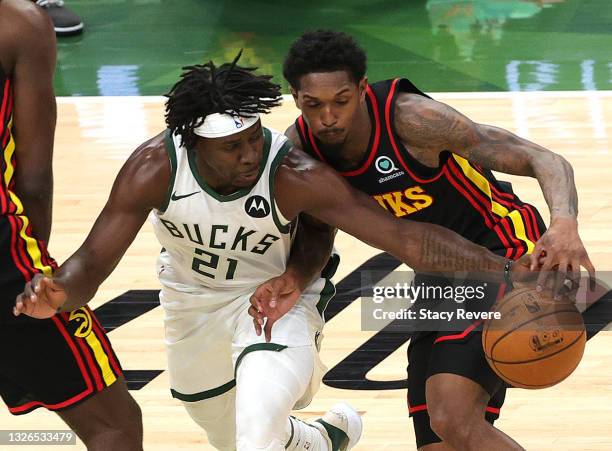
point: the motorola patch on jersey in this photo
(257, 207)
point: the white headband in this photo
(218, 125)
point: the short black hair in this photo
(324, 51)
(206, 89)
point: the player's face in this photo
(234, 160)
(329, 101)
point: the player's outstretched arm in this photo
(427, 126)
(304, 185)
(140, 186)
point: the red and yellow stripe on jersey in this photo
(516, 219)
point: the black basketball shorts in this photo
(54, 363)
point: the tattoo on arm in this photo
(433, 127)
(448, 256)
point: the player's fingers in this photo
(40, 283)
(268, 330)
(573, 272)
(279, 287)
(29, 293)
(559, 280)
(543, 275)
(18, 308)
(572, 282)
(257, 327)
(586, 262)
(534, 257)
(257, 315)
(264, 292)
(257, 320)
(24, 306)
(28, 290)
(256, 302)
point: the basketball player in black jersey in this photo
(423, 161)
(64, 363)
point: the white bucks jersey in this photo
(217, 247)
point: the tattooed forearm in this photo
(443, 251)
(499, 150)
(556, 178)
(502, 151)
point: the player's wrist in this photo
(567, 218)
(296, 277)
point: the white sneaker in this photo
(342, 425)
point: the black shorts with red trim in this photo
(459, 353)
(54, 363)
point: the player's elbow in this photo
(550, 162)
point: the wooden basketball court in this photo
(96, 134)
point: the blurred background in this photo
(136, 47)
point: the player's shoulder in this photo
(151, 159)
(25, 29)
(293, 135)
(407, 102)
(144, 178)
(413, 112)
(25, 17)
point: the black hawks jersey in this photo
(458, 194)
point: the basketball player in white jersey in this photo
(224, 194)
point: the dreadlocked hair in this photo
(206, 89)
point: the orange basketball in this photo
(536, 342)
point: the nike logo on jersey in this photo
(179, 197)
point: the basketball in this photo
(537, 341)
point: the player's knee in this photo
(202, 414)
(121, 430)
(450, 425)
(216, 417)
(117, 438)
